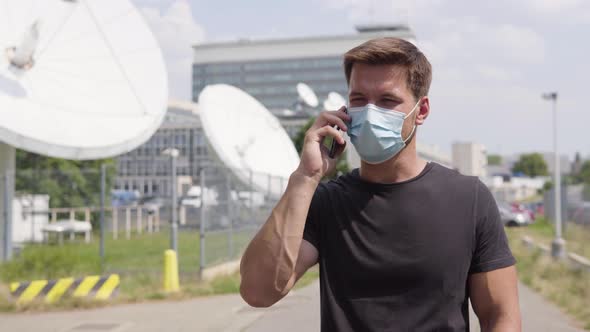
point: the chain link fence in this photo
(57, 216)
(232, 211)
(575, 210)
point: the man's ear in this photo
(423, 111)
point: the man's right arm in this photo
(278, 256)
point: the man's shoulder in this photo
(451, 176)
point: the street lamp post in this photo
(558, 244)
(173, 153)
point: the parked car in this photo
(512, 216)
(152, 203)
(526, 208)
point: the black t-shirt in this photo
(396, 257)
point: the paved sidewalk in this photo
(538, 315)
(297, 312)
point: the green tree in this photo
(69, 183)
(494, 160)
(531, 164)
(584, 175)
(300, 137)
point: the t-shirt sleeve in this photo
(491, 245)
(311, 233)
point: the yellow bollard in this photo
(170, 272)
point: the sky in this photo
(491, 60)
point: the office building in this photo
(470, 158)
(269, 70)
(147, 170)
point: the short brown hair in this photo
(393, 51)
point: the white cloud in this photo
(371, 11)
(495, 73)
(521, 43)
(549, 6)
(176, 31)
(474, 41)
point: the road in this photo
(297, 312)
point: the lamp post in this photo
(558, 244)
(173, 153)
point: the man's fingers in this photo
(329, 131)
(332, 118)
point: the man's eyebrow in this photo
(355, 94)
(384, 95)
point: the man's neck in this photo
(405, 166)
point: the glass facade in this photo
(273, 82)
(147, 170)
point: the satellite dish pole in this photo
(173, 153)
(7, 169)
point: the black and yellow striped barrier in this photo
(96, 287)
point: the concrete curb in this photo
(221, 270)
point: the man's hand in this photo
(315, 162)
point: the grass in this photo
(577, 236)
(140, 262)
(556, 281)
(143, 253)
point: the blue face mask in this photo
(376, 132)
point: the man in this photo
(402, 244)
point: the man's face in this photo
(384, 86)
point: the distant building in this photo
(564, 163)
(498, 170)
(434, 153)
(269, 70)
(29, 216)
(148, 171)
(510, 189)
(470, 158)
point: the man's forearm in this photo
(501, 323)
(268, 264)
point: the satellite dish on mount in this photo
(247, 139)
(334, 101)
(79, 79)
(307, 95)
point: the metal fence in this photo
(232, 212)
(575, 217)
(215, 222)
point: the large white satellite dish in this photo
(79, 79)
(247, 138)
(334, 101)
(307, 95)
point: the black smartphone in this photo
(334, 145)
